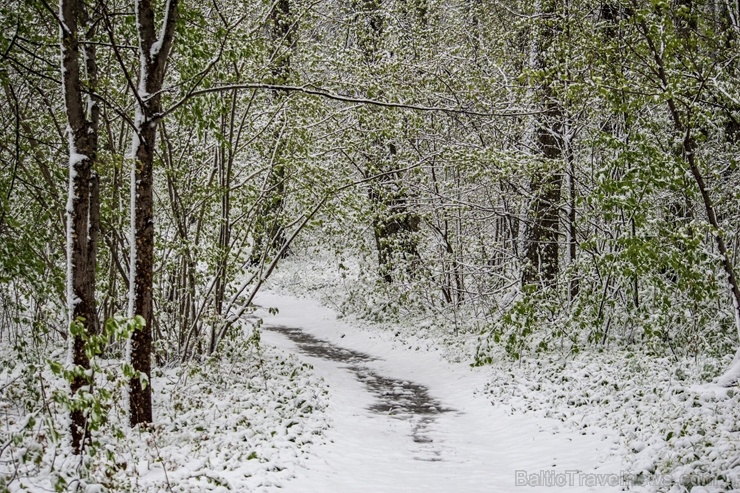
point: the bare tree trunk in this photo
(572, 211)
(394, 224)
(541, 250)
(154, 51)
(225, 164)
(268, 231)
(541, 238)
(82, 205)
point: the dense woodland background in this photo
(557, 175)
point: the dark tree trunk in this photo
(572, 226)
(225, 160)
(83, 203)
(541, 246)
(148, 108)
(394, 225)
(142, 255)
(269, 232)
(542, 235)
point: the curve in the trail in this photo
(396, 398)
(392, 427)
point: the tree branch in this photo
(312, 91)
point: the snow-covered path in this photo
(470, 446)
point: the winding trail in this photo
(409, 421)
(395, 398)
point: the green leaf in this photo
(56, 367)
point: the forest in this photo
(545, 191)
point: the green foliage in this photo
(441, 201)
(103, 381)
(532, 324)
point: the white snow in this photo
(132, 216)
(731, 377)
(72, 299)
(259, 420)
(240, 421)
(476, 448)
(76, 158)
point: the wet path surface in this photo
(389, 426)
(396, 398)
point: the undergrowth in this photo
(238, 421)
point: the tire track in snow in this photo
(392, 432)
(398, 399)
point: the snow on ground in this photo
(673, 431)
(676, 435)
(240, 421)
(271, 417)
(476, 447)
